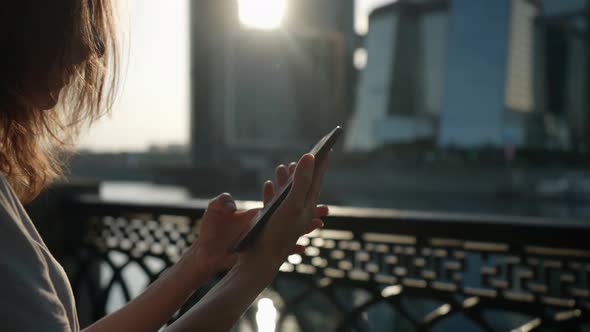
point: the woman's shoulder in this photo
(13, 217)
(29, 297)
(8, 199)
(19, 248)
(16, 242)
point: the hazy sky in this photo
(154, 105)
(362, 10)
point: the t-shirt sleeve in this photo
(28, 301)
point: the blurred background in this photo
(448, 105)
(475, 107)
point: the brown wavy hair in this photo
(42, 41)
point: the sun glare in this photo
(262, 14)
(266, 316)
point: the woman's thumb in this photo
(223, 203)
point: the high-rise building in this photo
(264, 92)
(474, 73)
(399, 95)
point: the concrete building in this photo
(474, 73)
(399, 91)
(258, 93)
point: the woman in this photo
(53, 82)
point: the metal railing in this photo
(367, 270)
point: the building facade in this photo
(475, 73)
(262, 92)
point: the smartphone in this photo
(320, 150)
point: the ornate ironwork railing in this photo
(367, 270)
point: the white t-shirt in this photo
(35, 294)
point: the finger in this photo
(282, 175)
(247, 215)
(314, 224)
(268, 192)
(292, 166)
(231, 261)
(316, 185)
(244, 218)
(298, 249)
(321, 211)
(302, 181)
(223, 203)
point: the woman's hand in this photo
(219, 229)
(292, 219)
(222, 306)
(282, 174)
(222, 226)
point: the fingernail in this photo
(230, 206)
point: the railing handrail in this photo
(564, 233)
(470, 264)
(349, 211)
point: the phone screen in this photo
(256, 225)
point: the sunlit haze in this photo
(153, 108)
(262, 14)
(154, 104)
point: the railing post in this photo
(587, 34)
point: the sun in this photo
(262, 14)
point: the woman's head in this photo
(58, 71)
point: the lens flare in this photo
(262, 14)
(266, 316)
